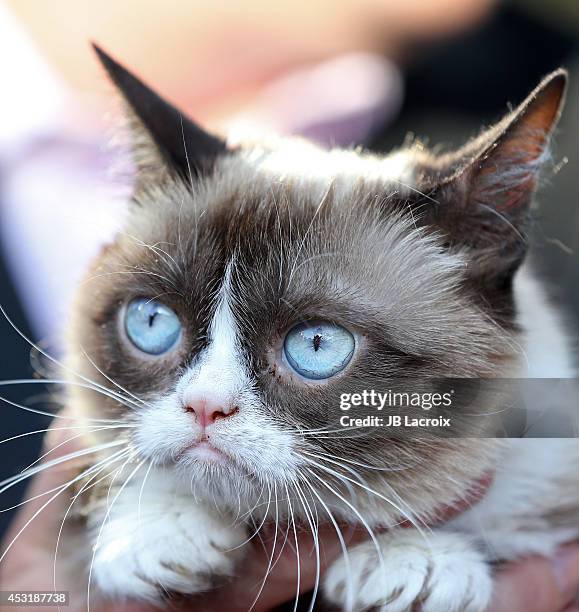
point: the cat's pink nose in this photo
(207, 412)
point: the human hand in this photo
(540, 585)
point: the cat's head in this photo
(253, 284)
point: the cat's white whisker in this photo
(297, 551)
(315, 537)
(94, 386)
(141, 491)
(87, 428)
(98, 467)
(256, 531)
(403, 512)
(64, 442)
(283, 544)
(271, 556)
(30, 499)
(322, 433)
(349, 604)
(104, 521)
(112, 482)
(362, 520)
(140, 401)
(50, 358)
(339, 462)
(50, 414)
(13, 480)
(366, 466)
(37, 512)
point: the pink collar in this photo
(474, 494)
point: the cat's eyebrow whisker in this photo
(325, 198)
(168, 259)
(160, 295)
(132, 273)
(140, 270)
(349, 607)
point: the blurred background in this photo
(371, 72)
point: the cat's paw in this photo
(440, 574)
(179, 550)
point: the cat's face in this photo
(251, 288)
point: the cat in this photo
(251, 284)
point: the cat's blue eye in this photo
(151, 326)
(318, 349)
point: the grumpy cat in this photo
(252, 284)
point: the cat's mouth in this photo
(205, 451)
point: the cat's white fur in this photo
(548, 350)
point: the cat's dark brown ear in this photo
(161, 134)
(485, 198)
